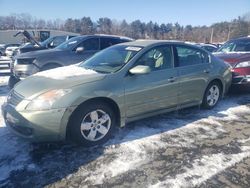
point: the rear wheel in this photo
(212, 95)
(92, 124)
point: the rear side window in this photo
(190, 56)
(107, 42)
(90, 44)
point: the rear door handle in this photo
(171, 79)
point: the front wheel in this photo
(92, 124)
(212, 95)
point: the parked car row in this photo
(70, 52)
(117, 81)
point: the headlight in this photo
(243, 64)
(46, 100)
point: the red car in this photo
(237, 53)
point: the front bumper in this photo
(241, 80)
(38, 126)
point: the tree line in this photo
(218, 32)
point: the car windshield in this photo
(70, 43)
(111, 59)
(47, 41)
(235, 46)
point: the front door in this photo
(156, 90)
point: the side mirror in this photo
(140, 69)
(79, 49)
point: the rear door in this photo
(154, 91)
(193, 73)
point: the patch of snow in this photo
(203, 169)
(13, 151)
(61, 73)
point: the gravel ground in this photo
(188, 148)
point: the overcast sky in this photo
(194, 12)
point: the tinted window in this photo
(190, 56)
(157, 58)
(58, 40)
(106, 42)
(90, 44)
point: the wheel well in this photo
(105, 100)
(50, 65)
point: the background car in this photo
(34, 45)
(4, 46)
(9, 51)
(237, 53)
(70, 52)
(208, 47)
(123, 83)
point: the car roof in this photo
(105, 35)
(241, 39)
(144, 43)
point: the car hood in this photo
(27, 35)
(59, 78)
(233, 57)
(39, 53)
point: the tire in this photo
(12, 81)
(212, 95)
(86, 128)
(49, 66)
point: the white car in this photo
(10, 50)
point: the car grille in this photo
(14, 98)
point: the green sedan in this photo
(120, 84)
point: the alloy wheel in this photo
(95, 125)
(213, 95)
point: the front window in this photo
(111, 59)
(91, 44)
(158, 58)
(70, 43)
(235, 46)
(46, 42)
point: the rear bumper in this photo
(40, 126)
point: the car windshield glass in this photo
(235, 46)
(70, 43)
(111, 59)
(47, 41)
